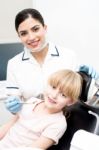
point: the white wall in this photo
(8, 11)
(73, 24)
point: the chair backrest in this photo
(85, 85)
(7, 51)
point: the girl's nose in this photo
(55, 93)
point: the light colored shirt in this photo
(26, 75)
(30, 126)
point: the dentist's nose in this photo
(31, 36)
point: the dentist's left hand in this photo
(13, 104)
(89, 70)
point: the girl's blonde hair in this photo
(69, 83)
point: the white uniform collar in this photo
(53, 51)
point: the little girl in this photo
(41, 123)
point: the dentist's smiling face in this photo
(32, 34)
(55, 100)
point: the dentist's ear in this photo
(45, 26)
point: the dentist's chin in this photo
(39, 48)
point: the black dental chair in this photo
(79, 118)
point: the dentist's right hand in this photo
(13, 104)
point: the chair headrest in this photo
(85, 85)
(89, 96)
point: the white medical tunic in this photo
(26, 75)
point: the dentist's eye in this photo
(35, 28)
(23, 33)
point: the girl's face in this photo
(32, 34)
(55, 100)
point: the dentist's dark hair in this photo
(25, 14)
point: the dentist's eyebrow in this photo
(36, 26)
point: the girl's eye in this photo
(53, 87)
(63, 95)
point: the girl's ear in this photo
(71, 102)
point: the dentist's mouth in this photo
(34, 43)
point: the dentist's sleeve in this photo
(12, 86)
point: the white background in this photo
(73, 24)
(8, 11)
